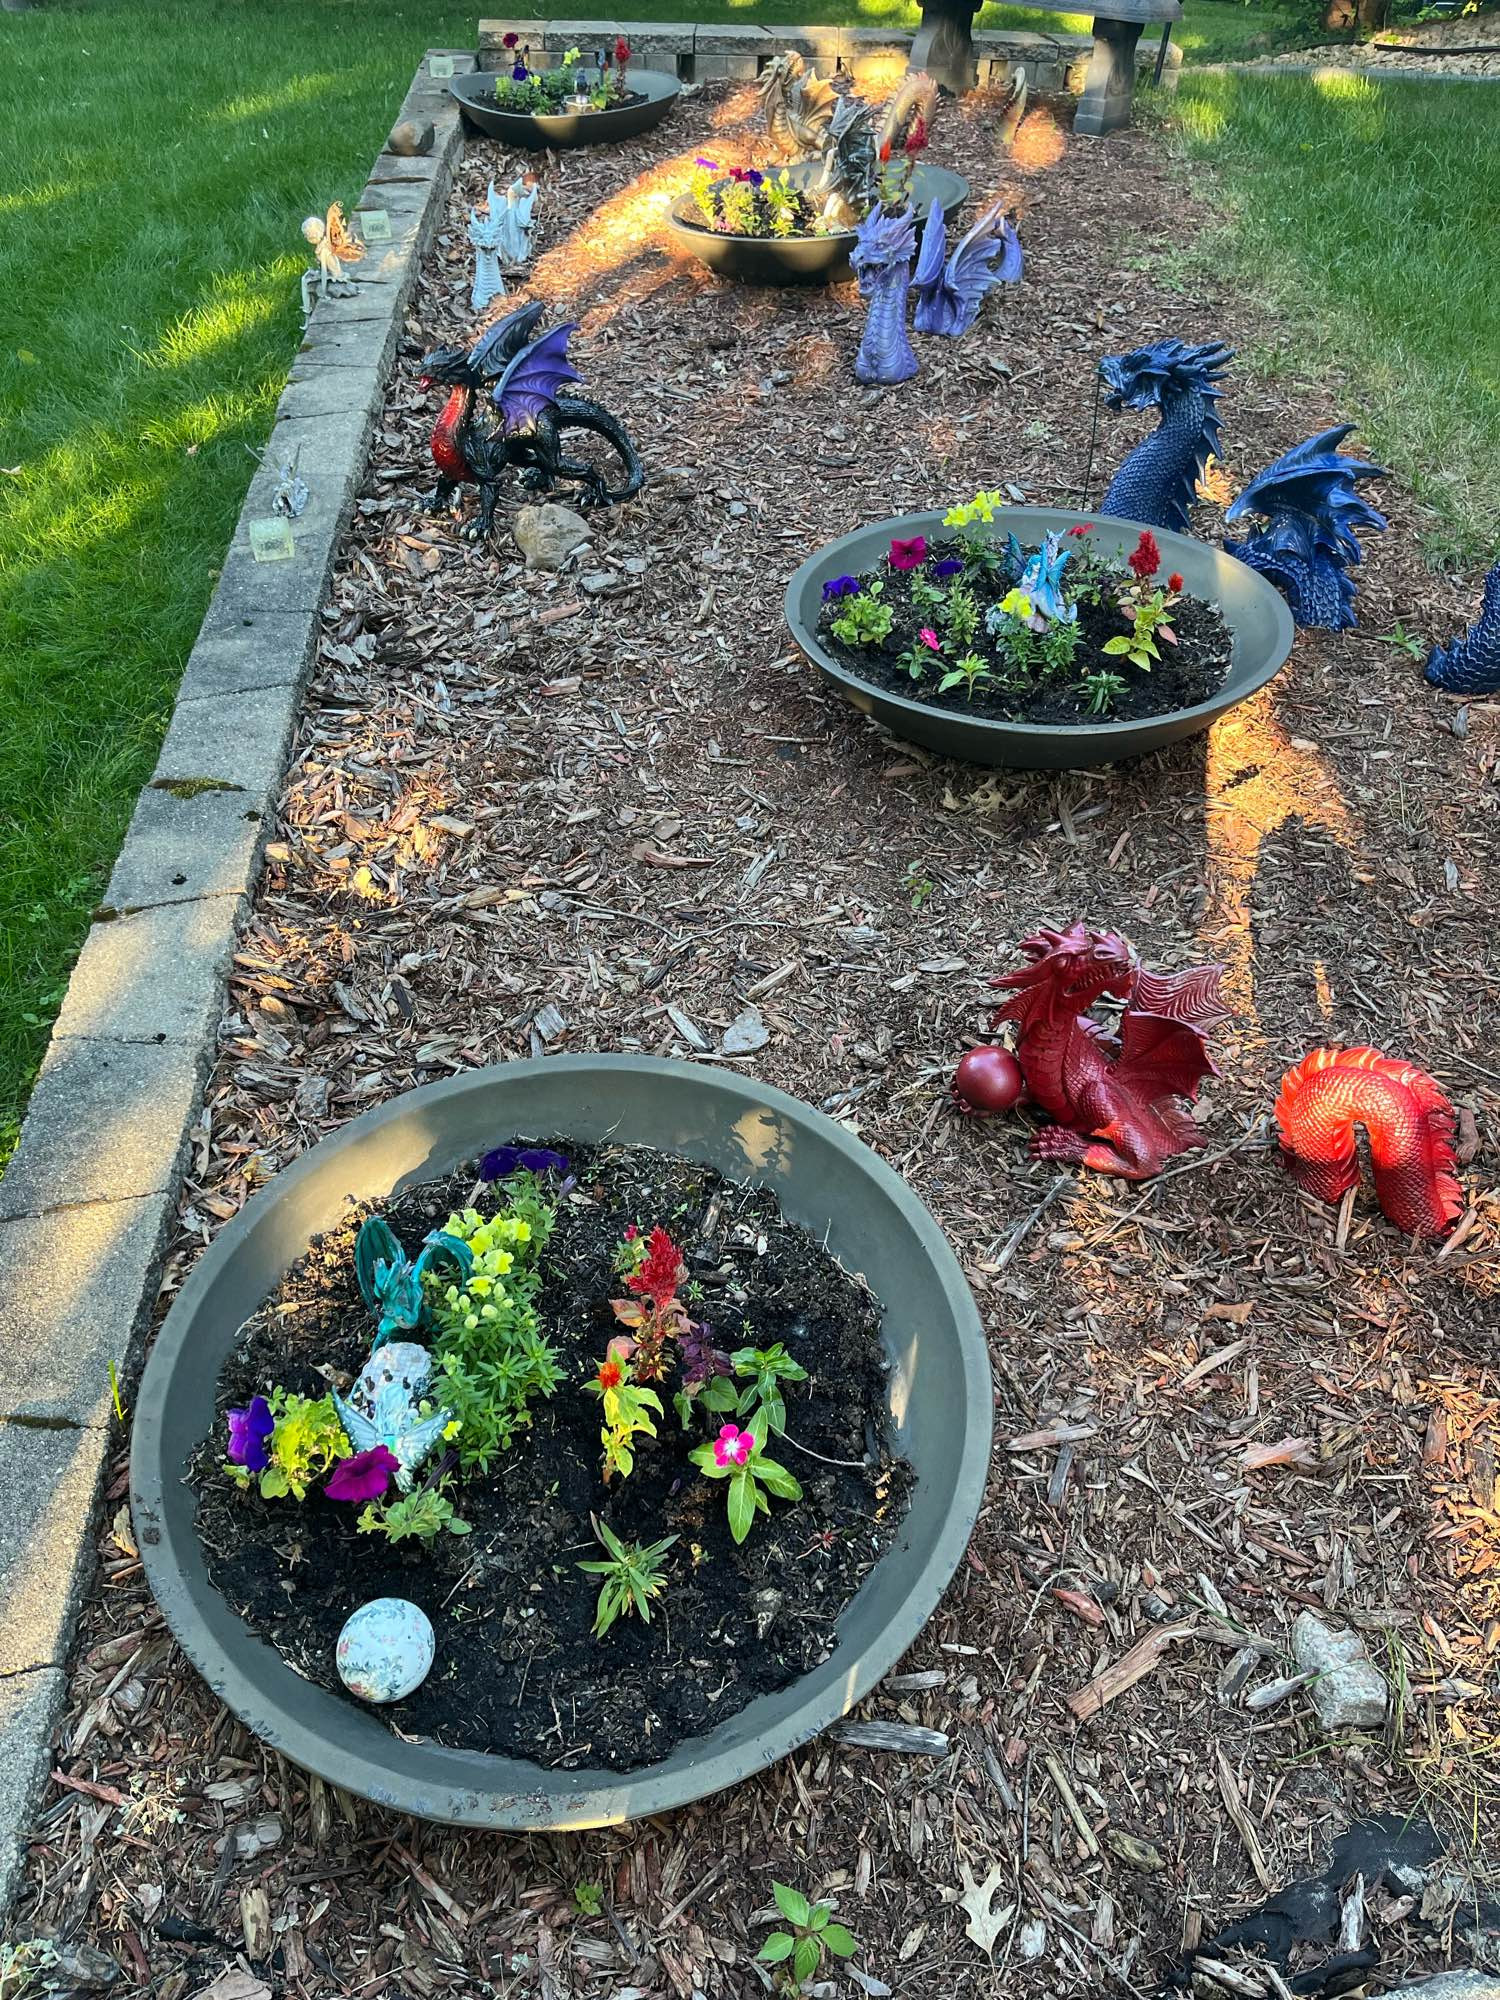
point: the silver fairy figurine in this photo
(486, 235)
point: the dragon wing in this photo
(1192, 998)
(347, 248)
(376, 1252)
(969, 268)
(928, 275)
(1309, 495)
(359, 1430)
(488, 356)
(1161, 1058)
(532, 380)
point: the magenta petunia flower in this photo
(908, 554)
(365, 1476)
(249, 1433)
(733, 1446)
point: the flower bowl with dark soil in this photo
(751, 255)
(1036, 637)
(644, 101)
(672, 1435)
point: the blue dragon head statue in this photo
(1311, 505)
(1149, 378)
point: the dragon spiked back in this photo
(1471, 665)
(1310, 502)
(1410, 1126)
(1158, 481)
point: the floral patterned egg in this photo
(385, 1649)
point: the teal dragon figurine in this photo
(1311, 507)
(1157, 483)
(1471, 665)
(390, 1282)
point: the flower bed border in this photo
(826, 1179)
(1255, 613)
(89, 1197)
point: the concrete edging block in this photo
(29, 1707)
(49, 1483)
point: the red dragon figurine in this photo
(1410, 1126)
(1113, 1100)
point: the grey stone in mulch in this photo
(29, 1707)
(106, 1120)
(86, 1269)
(227, 739)
(46, 1553)
(150, 975)
(178, 849)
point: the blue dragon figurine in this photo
(884, 246)
(1309, 502)
(950, 293)
(384, 1407)
(390, 1282)
(1157, 483)
(1471, 665)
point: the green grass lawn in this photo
(1364, 213)
(158, 158)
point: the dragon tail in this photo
(1410, 1126)
(582, 414)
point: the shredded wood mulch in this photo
(611, 810)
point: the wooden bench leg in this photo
(1109, 85)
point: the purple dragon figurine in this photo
(1471, 665)
(949, 294)
(1311, 509)
(884, 246)
(1157, 483)
(527, 378)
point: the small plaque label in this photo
(375, 224)
(271, 539)
(440, 65)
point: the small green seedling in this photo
(588, 1899)
(1404, 641)
(799, 1950)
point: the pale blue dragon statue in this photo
(1471, 665)
(486, 234)
(384, 1405)
(1157, 483)
(950, 293)
(1311, 507)
(884, 246)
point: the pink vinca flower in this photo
(930, 639)
(733, 1446)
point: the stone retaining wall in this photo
(1054, 61)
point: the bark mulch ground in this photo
(611, 810)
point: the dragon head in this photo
(1066, 972)
(882, 242)
(1147, 377)
(444, 364)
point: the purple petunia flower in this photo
(365, 1476)
(948, 566)
(520, 73)
(249, 1432)
(840, 586)
(750, 176)
(712, 165)
(503, 1161)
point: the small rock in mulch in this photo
(746, 1033)
(1349, 1692)
(548, 535)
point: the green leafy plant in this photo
(738, 1456)
(1103, 686)
(864, 620)
(634, 1577)
(799, 1950)
(1398, 636)
(961, 617)
(306, 1443)
(767, 1368)
(969, 671)
(628, 1412)
(1150, 617)
(588, 1898)
(492, 1357)
(928, 599)
(420, 1516)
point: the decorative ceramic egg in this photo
(385, 1649)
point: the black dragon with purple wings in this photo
(508, 408)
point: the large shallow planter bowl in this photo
(1255, 613)
(824, 1178)
(535, 130)
(796, 260)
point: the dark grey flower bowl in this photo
(535, 130)
(796, 260)
(941, 1405)
(1255, 613)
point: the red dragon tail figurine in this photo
(1114, 1102)
(1410, 1127)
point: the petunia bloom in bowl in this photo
(840, 586)
(365, 1476)
(249, 1433)
(502, 1161)
(947, 566)
(908, 554)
